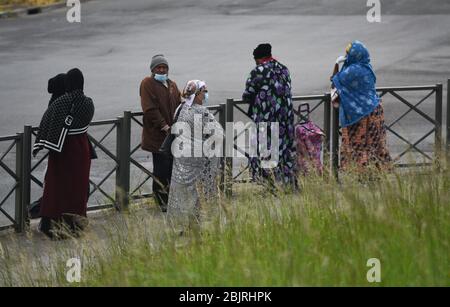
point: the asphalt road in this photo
(213, 40)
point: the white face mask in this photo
(206, 98)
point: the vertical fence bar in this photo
(222, 122)
(19, 173)
(327, 129)
(26, 178)
(229, 117)
(335, 141)
(123, 157)
(125, 160)
(438, 118)
(448, 121)
(119, 190)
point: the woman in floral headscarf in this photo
(194, 168)
(360, 111)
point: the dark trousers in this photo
(162, 169)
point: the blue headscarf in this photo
(355, 84)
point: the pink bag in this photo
(309, 139)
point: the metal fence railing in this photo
(392, 95)
(122, 171)
(14, 148)
(37, 171)
(110, 174)
(435, 121)
(235, 111)
(330, 119)
(134, 119)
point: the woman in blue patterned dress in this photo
(268, 92)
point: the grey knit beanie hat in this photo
(157, 60)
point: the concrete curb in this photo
(35, 10)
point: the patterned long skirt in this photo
(364, 143)
(283, 170)
(193, 184)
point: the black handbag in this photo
(92, 152)
(166, 146)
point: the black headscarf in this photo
(262, 51)
(74, 80)
(56, 87)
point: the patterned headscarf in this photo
(355, 84)
(192, 88)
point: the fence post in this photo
(438, 118)
(19, 173)
(223, 123)
(335, 141)
(229, 117)
(25, 176)
(123, 157)
(448, 121)
(327, 128)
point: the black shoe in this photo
(45, 226)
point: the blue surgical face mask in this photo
(161, 78)
(206, 98)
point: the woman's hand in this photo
(35, 152)
(334, 97)
(189, 89)
(341, 59)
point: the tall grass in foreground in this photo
(320, 237)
